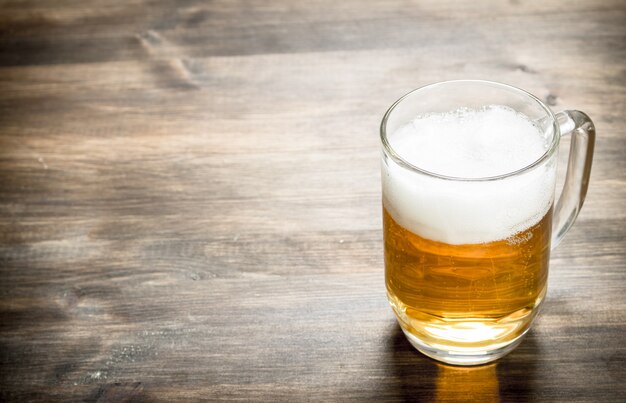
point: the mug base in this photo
(462, 358)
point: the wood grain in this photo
(190, 198)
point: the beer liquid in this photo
(466, 296)
(467, 261)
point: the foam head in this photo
(469, 143)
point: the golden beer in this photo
(466, 297)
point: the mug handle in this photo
(583, 132)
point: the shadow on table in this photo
(416, 377)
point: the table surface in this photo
(190, 197)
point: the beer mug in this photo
(469, 219)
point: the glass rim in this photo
(404, 163)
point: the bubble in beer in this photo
(468, 143)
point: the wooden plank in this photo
(135, 29)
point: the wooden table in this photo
(190, 198)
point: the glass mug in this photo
(469, 219)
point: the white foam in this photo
(469, 143)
